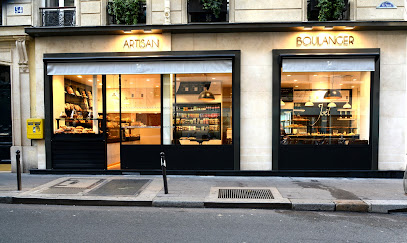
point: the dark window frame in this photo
(280, 54)
(145, 56)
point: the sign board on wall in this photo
(386, 4)
(143, 43)
(18, 9)
(325, 40)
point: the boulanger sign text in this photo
(325, 40)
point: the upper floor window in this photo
(208, 11)
(58, 13)
(127, 12)
(328, 10)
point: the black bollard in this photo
(18, 170)
(164, 169)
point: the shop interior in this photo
(325, 108)
(190, 109)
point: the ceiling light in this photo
(296, 86)
(288, 75)
(148, 80)
(332, 94)
(100, 84)
(315, 75)
(206, 95)
(352, 86)
(309, 103)
(108, 86)
(295, 80)
(307, 27)
(157, 86)
(213, 78)
(90, 80)
(340, 84)
(148, 31)
(131, 82)
(349, 27)
(354, 79)
(331, 105)
(127, 31)
(79, 76)
(347, 106)
(329, 28)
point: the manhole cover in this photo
(125, 187)
(245, 193)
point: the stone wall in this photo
(18, 12)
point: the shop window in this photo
(77, 105)
(202, 109)
(325, 108)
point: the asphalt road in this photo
(45, 223)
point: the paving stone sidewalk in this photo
(296, 193)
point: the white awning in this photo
(159, 67)
(328, 65)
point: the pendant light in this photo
(332, 94)
(282, 103)
(206, 95)
(331, 105)
(347, 106)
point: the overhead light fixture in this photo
(307, 27)
(349, 27)
(331, 105)
(114, 96)
(127, 31)
(328, 27)
(332, 94)
(148, 31)
(282, 103)
(347, 106)
(296, 86)
(148, 80)
(206, 95)
(295, 80)
(315, 75)
(90, 80)
(288, 75)
(309, 103)
(79, 76)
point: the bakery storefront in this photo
(120, 110)
(305, 101)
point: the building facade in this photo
(262, 86)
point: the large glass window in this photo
(77, 104)
(203, 109)
(325, 108)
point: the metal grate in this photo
(245, 193)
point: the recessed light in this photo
(148, 80)
(354, 79)
(340, 84)
(329, 28)
(157, 86)
(108, 86)
(100, 84)
(307, 27)
(352, 86)
(296, 86)
(148, 31)
(213, 78)
(90, 80)
(98, 80)
(349, 27)
(127, 31)
(178, 79)
(79, 76)
(295, 80)
(288, 75)
(315, 75)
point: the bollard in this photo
(164, 169)
(18, 170)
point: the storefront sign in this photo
(325, 40)
(141, 43)
(18, 10)
(386, 4)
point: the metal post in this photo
(164, 169)
(18, 170)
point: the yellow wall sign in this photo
(144, 43)
(141, 43)
(326, 40)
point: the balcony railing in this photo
(313, 11)
(59, 16)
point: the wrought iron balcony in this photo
(58, 16)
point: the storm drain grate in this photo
(245, 193)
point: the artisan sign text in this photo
(325, 40)
(135, 43)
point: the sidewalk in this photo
(296, 193)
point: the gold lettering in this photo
(332, 40)
(307, 41)
(126, 44)
(346, 40)
(132, 43)
(299, 41)
(142, 43)
(157, 44)
(149, 43)
(337, 40)
(351, 39)
(325, 40)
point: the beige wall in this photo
(256, 83)
(12, 18)
(366, 10)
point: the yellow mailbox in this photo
(35, 128)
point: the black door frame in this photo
(145, 56)
(280, 54)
